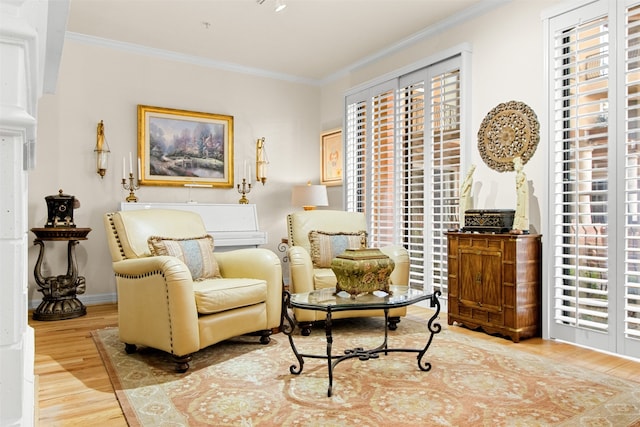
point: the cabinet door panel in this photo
(480, 282)
(492, 281)
(470, 265)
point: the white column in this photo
(23, 39)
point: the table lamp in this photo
(309, 196)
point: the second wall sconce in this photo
(102, 151)
(262, 160)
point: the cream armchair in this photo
(160, 305)
(305, 277)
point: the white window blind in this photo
(581, 175)
(402, 154)
(382, 216)
(594, 206)
(412, 128)
(632, 174)
(445, 158)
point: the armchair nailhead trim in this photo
(113, 230)
(140, 276)
(290, 231)
(166, 289)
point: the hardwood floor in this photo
(74, 389)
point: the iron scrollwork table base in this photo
(326, 300)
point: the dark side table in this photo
(59, 292)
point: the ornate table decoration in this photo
(360, 271)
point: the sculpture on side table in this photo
(465, 195)
(521, 217)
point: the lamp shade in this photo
(309, 196)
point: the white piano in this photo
(232, 226)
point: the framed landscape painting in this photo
(184, 148)
(331, 157)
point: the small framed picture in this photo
(179, 147)
(331, 157)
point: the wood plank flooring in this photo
(74, 389)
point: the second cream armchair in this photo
(305, 277)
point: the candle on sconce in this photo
(123, 175)
(244, 170)
(130, 164)
(139, 170)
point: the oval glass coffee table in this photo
(328, 301)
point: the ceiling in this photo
(309, 40)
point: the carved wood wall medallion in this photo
(509, 130)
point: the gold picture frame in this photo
(184, 148)
(331, 157)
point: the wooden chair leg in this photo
(393, 323)
(305, 328)
(265, 336)
(182, 363)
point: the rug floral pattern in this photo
(472, 382)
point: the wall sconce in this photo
(309, 196)
(102, 151)
(262, 160)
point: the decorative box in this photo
(361, 271)
(488, 220)
(60, 210)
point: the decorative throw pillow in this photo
(325, 246)
(196, 253)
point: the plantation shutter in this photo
(445, 159)
(594, 206)
(355, 153)
(382, 192)
(402, 155)
(412, 128)
(581, 175)
(429, 126)
(632, 176)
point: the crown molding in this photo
(469, 13)
(181, 57)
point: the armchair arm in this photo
(300, 270)
(400, 256)
(156, 304)
(256, 263)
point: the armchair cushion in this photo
(214, 296)
(196, 253)
(325, 246)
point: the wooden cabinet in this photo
(494, 282)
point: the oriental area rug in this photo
(473, 382)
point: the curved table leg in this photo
(287, 326)
(433, 328)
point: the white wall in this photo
(101, 83)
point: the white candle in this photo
(244, 170)
(130, 164)
(248, 172)
(123, 175)
(139, 170)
